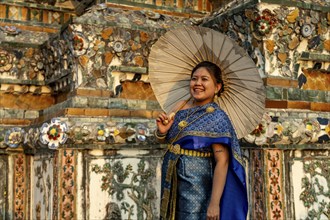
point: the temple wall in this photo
(77, 112)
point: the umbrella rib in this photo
(243, 94)
(233, 61)
(201, 55)
(241, 110)
(226, 56)
(165, 92)
(183, 60)
(212, 54)
(241, 79)
(239, 85)
(234, 94)
(231, 49)
(169, 72)
(173, 64)
(204, 46)
(248, 68)
(253, 117)
(181, 97)
(170, 43)
(170, 81)
(194, 55)
(232, 113)
(223, 43)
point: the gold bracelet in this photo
(159, 136)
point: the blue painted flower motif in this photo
(14, 137)
(53, 134)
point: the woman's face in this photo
(203, 86)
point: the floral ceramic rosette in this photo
(291, 131)
(14, 137)
(53, 134)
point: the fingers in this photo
(213, 213)
(213, 217)
(164, 119)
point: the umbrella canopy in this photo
(178, 51)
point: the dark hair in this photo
(213, 69)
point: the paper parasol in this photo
(178, 51)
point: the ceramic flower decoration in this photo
(142, 132)
(11, 30)
(102, 133)
(6, 61)
(14, 137)
(80, 44)
(53, 134)
(263, 25)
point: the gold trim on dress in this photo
(164, 203)
(176, 149)
(171, 165)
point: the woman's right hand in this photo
(164, 122)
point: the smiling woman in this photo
(202, 174)
(212, 93)
(205, 82)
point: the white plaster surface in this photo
(98, 199)
(301, 212)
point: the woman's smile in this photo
(202, 86)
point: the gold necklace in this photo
(184, 123)
(209, 109)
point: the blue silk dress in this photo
(187, 179)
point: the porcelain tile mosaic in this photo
(286, 31)
(67, 186)
(19, 200)
(275, 189)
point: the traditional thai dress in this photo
(188, 166)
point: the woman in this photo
(202, 172)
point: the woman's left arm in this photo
(221, 156)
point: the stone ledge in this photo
(313, 106)
(300, 4)
(149, 114)
(93, 92)
(130, 5)
(14, 122)
(137, 90)
(312, 146)
(296, 94)
(295, 113)
(27, 101)
(280, 82)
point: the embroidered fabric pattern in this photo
(203, 128)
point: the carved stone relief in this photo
(43, 189)
(310, 184)
(127, 187)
